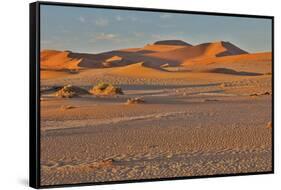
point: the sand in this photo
(197, 117)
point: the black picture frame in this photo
(34, 93)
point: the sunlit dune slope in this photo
(58, 60)
(138, 69)
(246, 58)
(257, 62)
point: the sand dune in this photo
(206, 50)
(257, 62)
(254, 57)
(161, 48)
(140, 70)
(166, 52)
(185, 62)
(57, 60)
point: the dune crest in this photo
(139, 69)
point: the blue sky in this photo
(91, 30)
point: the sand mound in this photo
(70, 91)
(105, 89)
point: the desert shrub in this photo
(105, 89)
(70, 91)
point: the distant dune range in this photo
(160, 59)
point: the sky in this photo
(95, 30)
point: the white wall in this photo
(14, 92)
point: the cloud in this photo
(106, 37)
(101, 22)
(82, 19)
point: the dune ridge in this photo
(161, 59)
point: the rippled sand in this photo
(184, 128)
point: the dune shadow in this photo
(232, 72)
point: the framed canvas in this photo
(122, 94)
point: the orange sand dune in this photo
(165, 45)
(185, 53)
(141, 70)
(167, 52)
(138, 69)
(51, 74)
(57, 60)
(255, 63)
(130, 49)
(46, 54)
(254, 57)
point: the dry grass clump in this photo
(70, 91)
(105, 89)
(135, 101)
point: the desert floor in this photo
(191, 124)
